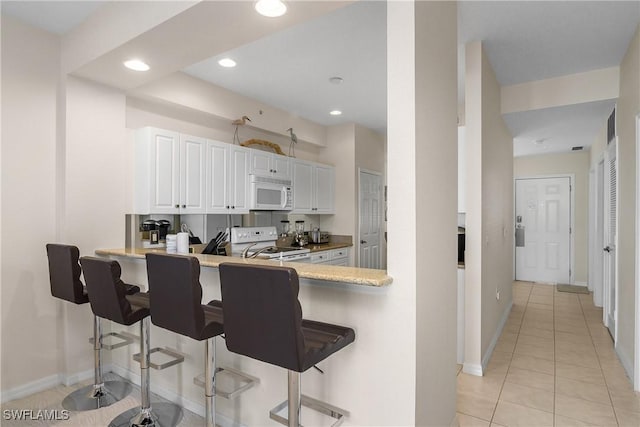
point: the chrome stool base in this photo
(94, 397)
(159, 415)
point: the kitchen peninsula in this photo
(352, 297)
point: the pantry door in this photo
(370, 219)
(543, 230)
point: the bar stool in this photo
(108, 298)
(64, 278)
(176, 305)
(263, 320)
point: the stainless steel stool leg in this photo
(100, 394)
(162, 414)
(294, 398)
(210, 381)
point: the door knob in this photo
(362, 242)
(607, 249)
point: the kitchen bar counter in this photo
(323, 272)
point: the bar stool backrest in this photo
(107, 292)
(175, 293)
(262, 314)
(64, 273)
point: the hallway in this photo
(554, 364)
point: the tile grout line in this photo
(512, 353)
(613, 408)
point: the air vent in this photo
(577, 148)
(611, 127)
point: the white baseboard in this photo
(30, 388)
(496, 336)
(172, 396)
(626, 364)
(472, 369)
(72, 379)
(580, 284)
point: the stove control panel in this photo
(253, 234)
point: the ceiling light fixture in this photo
(136, 65)
(227, 63)
(336, 80)
(335, 112)
(271, 8)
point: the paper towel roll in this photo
(183, 243)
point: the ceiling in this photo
(523, 40)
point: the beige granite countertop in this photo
(329, 273)
(327, 246)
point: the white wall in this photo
(566, 163)
(436, 189)
(628, 108)
(489, 217)
(31, 339)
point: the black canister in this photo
(163, 227)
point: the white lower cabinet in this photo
(331, 257)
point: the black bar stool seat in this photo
(65, 283)
(108, 298)
(263, 320)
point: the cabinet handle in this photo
(177, 206)
(275, 171)
(271, 170)
(184, 206)
(227, 206)
(233, 207)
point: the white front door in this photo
(370, 185)
(543, 227)
(610, 238)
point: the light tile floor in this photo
(554, 365)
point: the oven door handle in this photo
(284, 197)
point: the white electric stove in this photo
(262, 240)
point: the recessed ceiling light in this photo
(335, 112)
(271, 8)
(336, 80)
(136, 65)
(539, 141)
(227, 62)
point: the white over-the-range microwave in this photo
(270, 194)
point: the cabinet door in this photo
(302, 187)
(239, 179)
(192, 174)
(281, 166)
(217, 177)
(261, 163)
(324, 189)
(164, 171)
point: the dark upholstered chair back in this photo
(262, 314)
(106, 290)
(175, 293)
(64, 273)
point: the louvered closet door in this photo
(610, 239)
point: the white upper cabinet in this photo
(192, 174)
(313, 187)
(170, 172)
(227, 177)
(157, 172)
(270, 164)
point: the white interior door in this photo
(598, 253)
(610, 239)
(543, 227)
(370, 186)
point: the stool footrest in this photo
(126, 340)
(177, 358)
(247, 380)
(311, 403)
